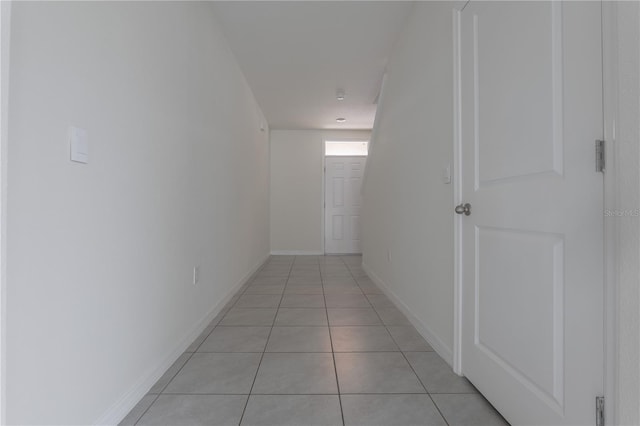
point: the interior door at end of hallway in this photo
(343, 202)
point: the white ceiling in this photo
(296, 54)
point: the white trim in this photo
(119, 410)
(296, 253)
(457, 199)
(323, 201)
(611, 179)
(374, 130)
(5, 32)
(436, 343)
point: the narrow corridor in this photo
(311, 340)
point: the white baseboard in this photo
(436, 343)
(149, 377)
(296, 253)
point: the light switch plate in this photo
(79, 145)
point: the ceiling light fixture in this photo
(340, 95)
(341, 119)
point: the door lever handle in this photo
(463, 209)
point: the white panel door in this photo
(532, 248)
(343, 202)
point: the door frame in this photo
(457, 194)
(323, 201)
(610, 242)
(5, 33)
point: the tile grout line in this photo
(244, 410)
(322, 268)
(163, 388)
(413, 370)
(213, 328)
(333, 354)
(383, 324)
(407, 360)
(307, 394)
(222, 313)
(425, 388)
(145, 411)
(438, 408)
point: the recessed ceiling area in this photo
(298, 55)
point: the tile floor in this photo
(311, 340)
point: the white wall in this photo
(403, 188)
(297, 161)
(624, 64)
(5, 13)
(407, 220)
(100, 256)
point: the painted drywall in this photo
(5, 13)
(297, 173)
(627, 180)
(407, 221)
(100, 255)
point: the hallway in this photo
(164, 174)
(272, 355)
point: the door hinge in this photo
(600, 156)
(600, 411)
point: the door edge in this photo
(457, 196)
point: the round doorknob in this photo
(463, 209)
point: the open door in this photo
(532, 208)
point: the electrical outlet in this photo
(196, 274)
